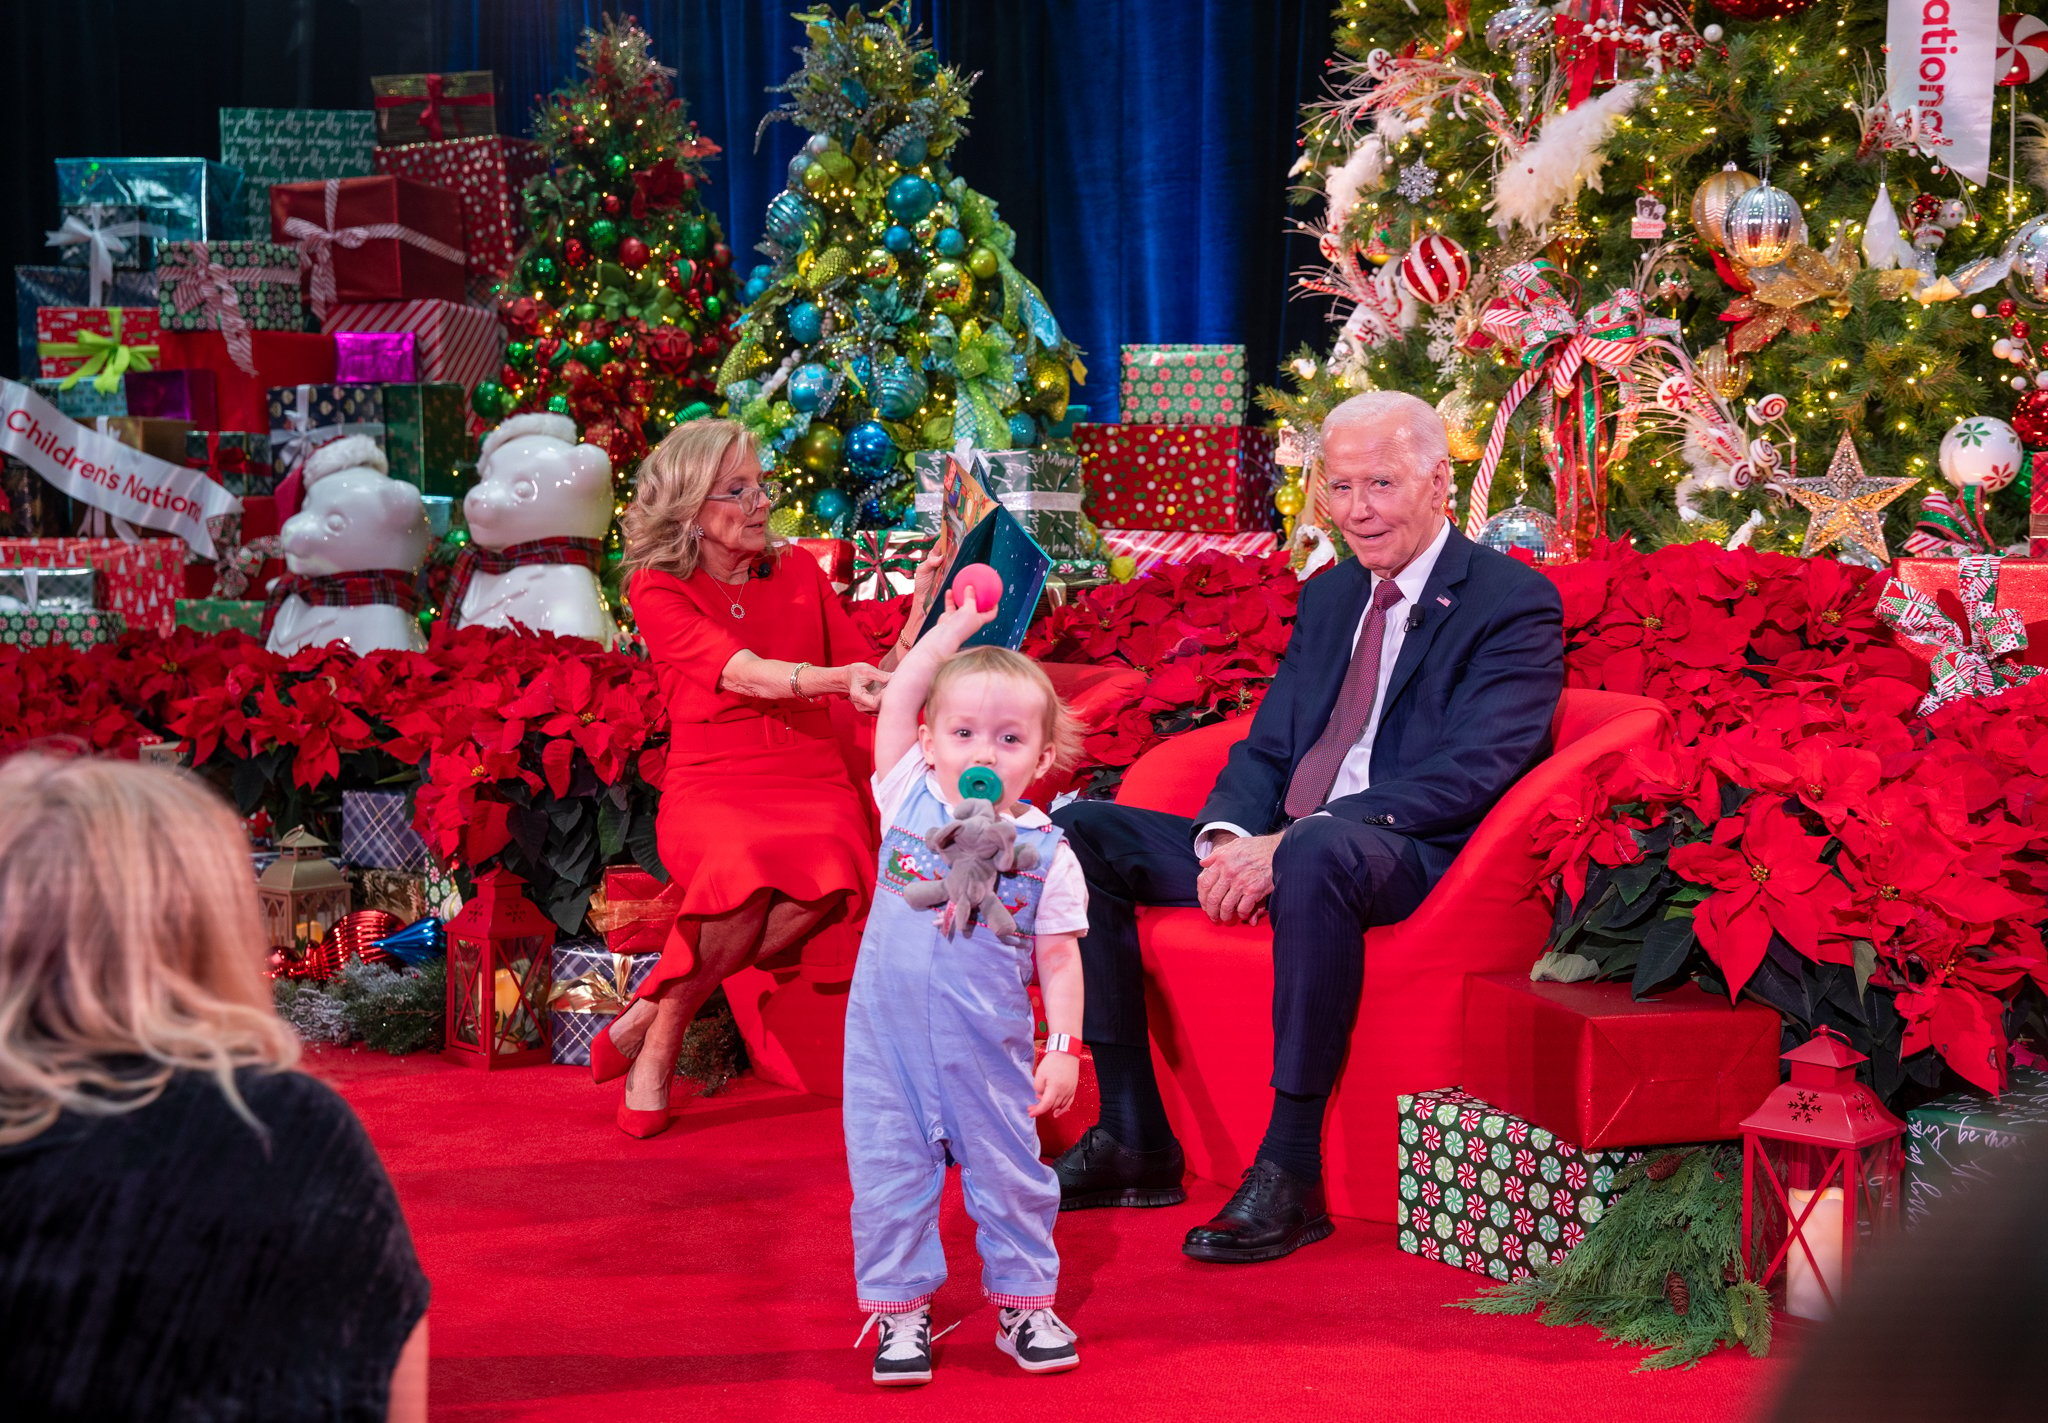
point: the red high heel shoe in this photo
(606, 1061)
(636, 1123)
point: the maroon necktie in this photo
(1317, 771)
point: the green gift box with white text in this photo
(1485, 1191)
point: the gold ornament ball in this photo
(784, 522)
(879, 265)
(950, 287)
(1711, 201)
(983, 262)
(1460, 414)
(1289, 498)
(818, 449)
(1050, 383)
(1727, 376)
(817, 180)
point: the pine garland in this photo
(1660, 1270)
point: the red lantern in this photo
(1821, 1162)
(498, 979)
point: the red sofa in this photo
(1210, 986)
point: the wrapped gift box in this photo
(72, 343)
(192, 278)
(1954, 1142)
(238, 460)
(191, 199)
(212, 615)
(164, 439)
(1485, 1191)
(426, 436)
(84, 401)
(834, 557)
(122, 231)
(429, 108)
(140, 581)
(304, 417)
(376, 357)
(377, 833)
(1182, 385)
(192, 396)
(487, 174)
(293, 146)
(47, 590)
(425, 261)
(31, 507)
(36, 287)
(2022, 585)
(72, 629)
(1205, 478)
(885, 561)
(592, 985)
(282, 358)
(1042, 487)
(457, 343)
(1590, 1063)
(1147, 547)
(634, 910)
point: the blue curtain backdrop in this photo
(1140, 148)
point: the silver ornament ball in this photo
(1762, 224)
(1529, 529)
(2028, 251)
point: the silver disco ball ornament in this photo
(1762, 224)
(1529, 529)
(2028, 250)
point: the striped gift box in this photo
(1146, 547)
(457, 343)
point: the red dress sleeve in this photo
(678, 634)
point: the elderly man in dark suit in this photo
(1419, 683)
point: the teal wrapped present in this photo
(1959, 1140)
(293, 146)
(426, 436)
(84, 401)
(191, 199)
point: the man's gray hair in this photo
(1410, 419)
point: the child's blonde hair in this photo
(669, 491)
(1062, 728)
(128, 930)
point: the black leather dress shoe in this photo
(1273, 1213)
(1099, 1170)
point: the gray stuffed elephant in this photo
(977, 845)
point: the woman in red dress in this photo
(760, 821)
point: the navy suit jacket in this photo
(1467, 710)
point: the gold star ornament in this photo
(1847, 505)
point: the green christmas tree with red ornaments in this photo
(618, 310)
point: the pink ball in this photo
(984, 582)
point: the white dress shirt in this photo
(1355, 774)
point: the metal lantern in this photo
(498, 976)
(1762, 225)
(1821, 1161)
(1710, 203)
(303, 893)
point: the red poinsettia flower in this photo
(658, 186)
(1768, 877)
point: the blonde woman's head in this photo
(128, 930)
(702, 485)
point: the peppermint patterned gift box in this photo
(1182, 385)
(1214, 479)
(43, 629)
(1488, 1192)
(1147, 547)
(293, 146)
(191, 277)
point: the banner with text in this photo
(98, 470)
(1941, 57)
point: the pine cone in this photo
(1729, 1274)
(1664, 1166)
(1678, 1292)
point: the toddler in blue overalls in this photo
(939, 1022)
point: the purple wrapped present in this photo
(592, 985)
(376, 357)
(188, 395)
(377, 833)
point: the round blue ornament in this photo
(1023, 431)
(898, 240)
(817, 143)
(829, 505)
(871, 515)
(911, 150)
(797, 167)
(869, 449)
(806, 322)
(762, 272)
(808, 384)
(898, 391)
(950, 243)
(911, 197)
(753, 289)
(790, 221)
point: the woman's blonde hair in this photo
(128, 930)
(1062, 727)
(669, 491)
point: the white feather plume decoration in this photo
(1361, 171)
(2034, 150)
(1564, 157)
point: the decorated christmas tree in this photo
(1684, 255)
(889, 317)
(619, 309)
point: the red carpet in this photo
(706, 1275)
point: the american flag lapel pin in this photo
(1443, 600)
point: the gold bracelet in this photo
(794, 673)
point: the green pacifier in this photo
(980, 783)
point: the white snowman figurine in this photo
(355, 519)
(535, 483)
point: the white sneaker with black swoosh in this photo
(1039, 1340)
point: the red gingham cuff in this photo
(997, 1297)
(877, 1306)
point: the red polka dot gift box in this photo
(1184, 478)
(1182, 385)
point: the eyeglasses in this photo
(768, 491)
